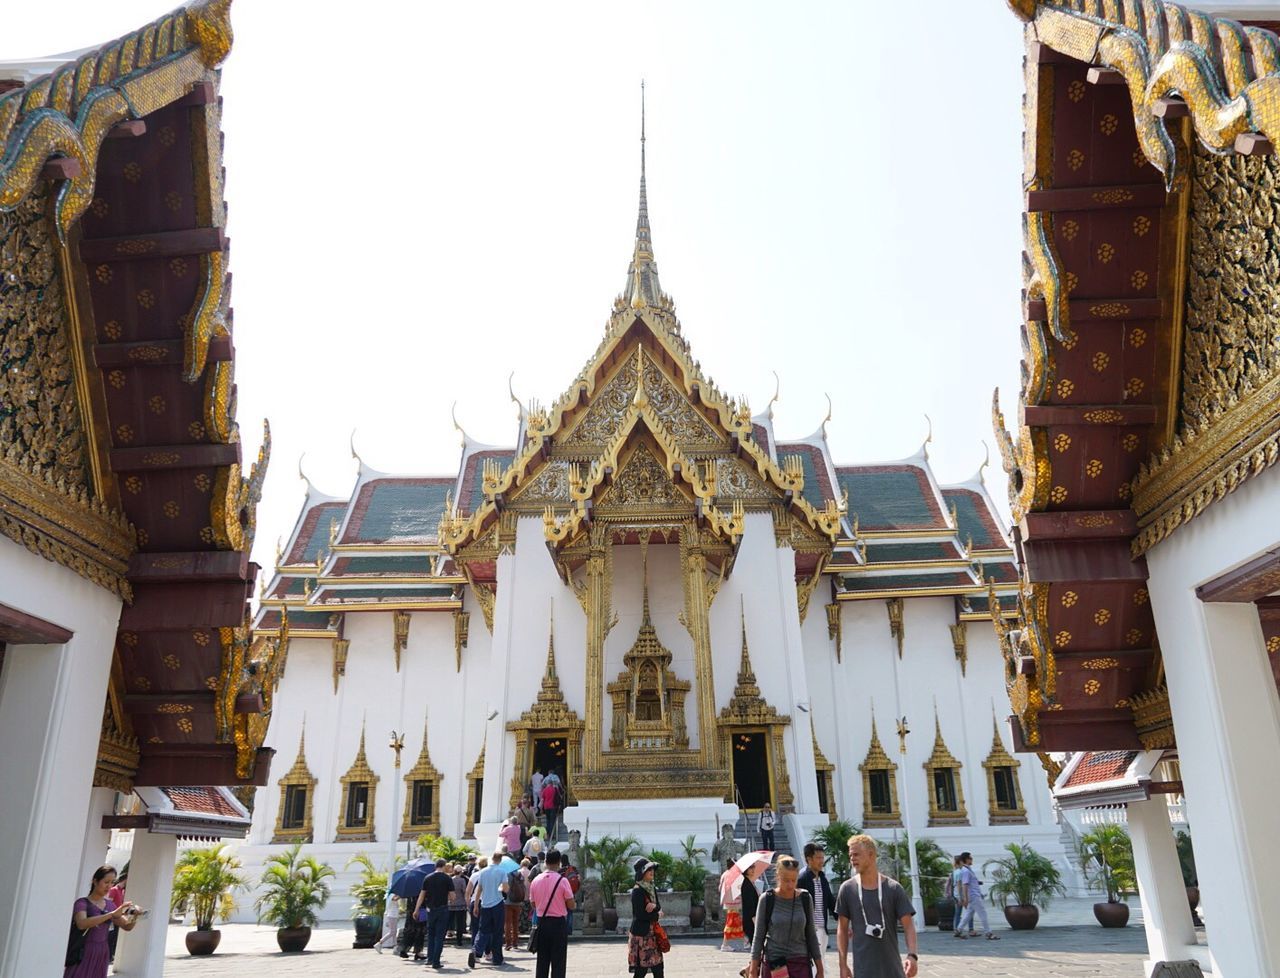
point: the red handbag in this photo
(660, 938)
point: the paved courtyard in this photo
(1077, 951)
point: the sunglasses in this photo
(788, 864)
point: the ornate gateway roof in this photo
(1151, 372)
(121, 456)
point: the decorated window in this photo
(475, 793)
(1005, 804)
(422, 796)
(297, 792)
(879, 785)
(825, 770)
(359, 788)
(946, 791)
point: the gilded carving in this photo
(996, 759)
(548, 715)
(422, 771)
(878, 761)
(359, 827)
(1153, 718)
(943, 760)
(299, 777)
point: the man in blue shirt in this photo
(490, 888)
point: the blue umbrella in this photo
(407, 880)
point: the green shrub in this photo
(207, 878)
(1025, 876)
(294, 888)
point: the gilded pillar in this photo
(697, 602)
(597, 607)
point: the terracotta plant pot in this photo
(293, 938)
(609, 916)
(203, 941)
(1112, 914)
(1022, 916)
(697, 915)
(368, 930)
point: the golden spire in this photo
(642, 276)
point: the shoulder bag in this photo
(660, 939)
(75, 942)
(533, 931)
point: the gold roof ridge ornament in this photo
(643, 289)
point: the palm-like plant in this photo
(664, 874)
(371, 891)
(608, 856)
(693, 851)
(1106, 856)
(445, 847)
(208, 879)
(294, 888)
(834, 838)
(1024, 877)
(934, 865)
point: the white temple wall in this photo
(51, 702)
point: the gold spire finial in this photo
(642, 276)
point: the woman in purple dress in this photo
(93, 915)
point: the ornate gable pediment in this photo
(643, 485)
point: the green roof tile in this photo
(906, 581)
(402, 510)
(892, 499)
(880, 553)
(969, 517)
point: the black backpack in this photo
(770, 898)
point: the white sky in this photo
(426, 196)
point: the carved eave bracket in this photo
(896, 627)
(1153, 718)
(960, 643)
(461, 629)
(835, 627)
(400, 621)
(340, 647)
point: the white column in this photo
(804, 775)
(140, 952)
(97, 840)
(1165, 911)
(1227, 718)
(498, 762)
(51, 702)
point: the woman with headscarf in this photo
(643, 956)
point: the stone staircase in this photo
(746, 831)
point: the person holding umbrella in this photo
(736, 901)
(407, 882)
(643, 955)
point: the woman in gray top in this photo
(785, 937)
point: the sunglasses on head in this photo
(788, 863)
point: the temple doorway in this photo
(752, 780)
(551, 752)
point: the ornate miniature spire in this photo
(642, 276)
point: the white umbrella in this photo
(732, 875)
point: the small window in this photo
(1006, 788)
(475, 810)
(881, 798)
(357, 804)
(944, 788)
(295, 807)
(823, 803)
(423, 796)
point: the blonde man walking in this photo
(869, 907)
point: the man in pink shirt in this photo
(552, 900)
(510, 836)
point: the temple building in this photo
(1142, 465)
(684, 613)
(126, 507)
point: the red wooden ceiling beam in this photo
(144, 704)
(156, 244)
(1116, 310)
(1096, 561)
(197, 765)
(1088, 415)
(128, 129)
(1092, 524)
(1097, 198)
(159, 457)
(172, 607)
(155, 353)
(200, 565)
(1064, 730)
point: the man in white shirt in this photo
(536, 783)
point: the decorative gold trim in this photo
(549, 715)
(878, 760)
(422, 770)
(340, 647)
(400, 621)
(118, 754)
(999, 758)
(960, 643)
(475, 783)
(940, 760)
(806, 586)
(835, 627)
(896, 627)
(461, 631)
(825, 771)
(1153, 717)
(299, 776)
(358, 773)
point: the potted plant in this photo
(1106, 856)
(610, 857)
(834, 839)
(934, 866)
(294, 887)
(206, 878)
(690, 874)
(445, 847)
(370, 894)
(1022, 882)
(1187, 862)
(662, 875)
